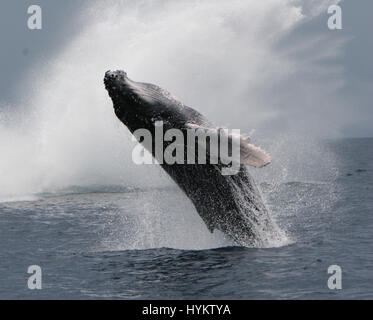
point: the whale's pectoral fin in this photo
(252, 155)
(249, 153)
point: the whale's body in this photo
(229, 203)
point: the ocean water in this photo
(116, 242)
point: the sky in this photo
(269, 67)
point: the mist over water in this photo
(222, 58)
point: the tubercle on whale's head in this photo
(114, 82)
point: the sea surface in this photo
(117, 242)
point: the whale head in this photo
(118, 86)
(142, 101)
(114, 78)
(130, 98)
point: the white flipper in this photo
(249, 153)
(253, 155)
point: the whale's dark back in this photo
(230, 203)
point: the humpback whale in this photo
(229, 203)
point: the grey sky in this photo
(22, 49)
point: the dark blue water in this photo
(112, 243)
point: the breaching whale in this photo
(229, 203)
